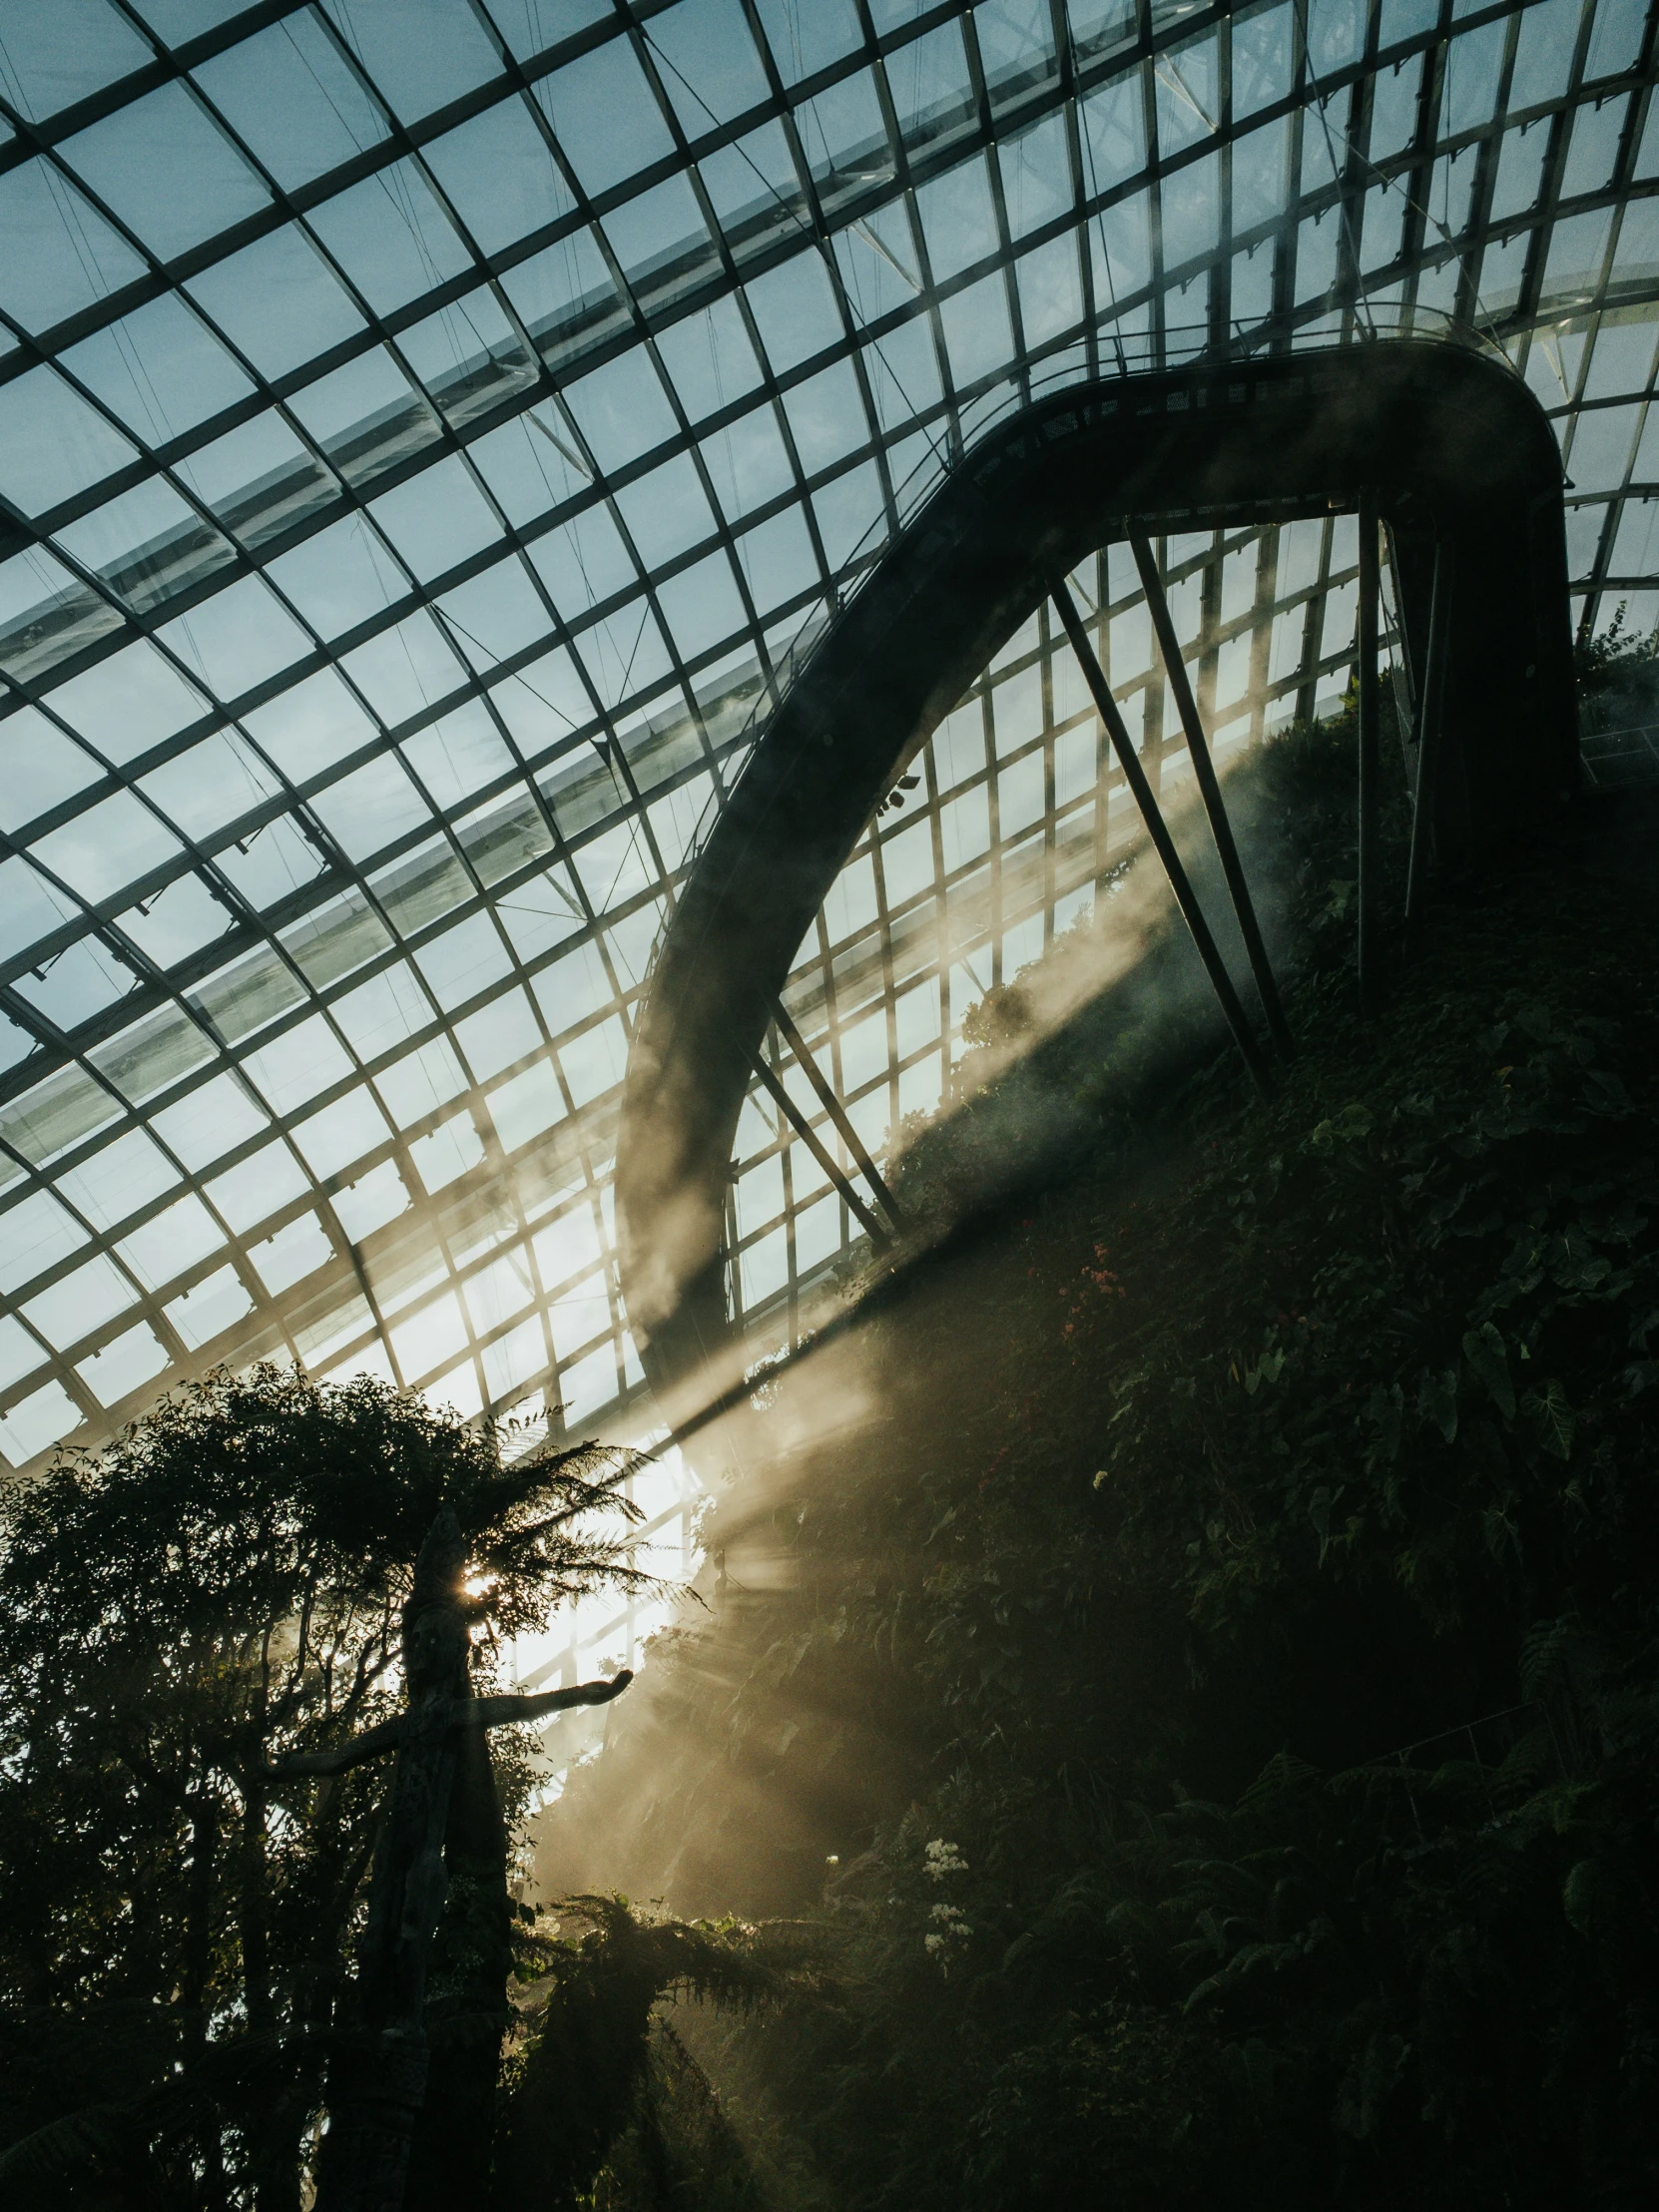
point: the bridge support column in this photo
(1431, 708)
(1369, 591)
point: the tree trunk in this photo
(274, 2132)
(198, 1963)
(466, 1995)
(377, 2076)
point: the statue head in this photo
(435, 1640)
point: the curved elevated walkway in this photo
(1456, 451)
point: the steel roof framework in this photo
(409, 501)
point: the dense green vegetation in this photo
(1175, 1715)
(1185, 1668)
(223, 1587)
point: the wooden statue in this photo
(433, 1834)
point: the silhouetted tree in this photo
(218, 1590)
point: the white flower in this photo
(951, 1929)
(941, 1858)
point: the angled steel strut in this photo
(1158, 831)
(808, 1136)
(839, 1116)
(1175, 671)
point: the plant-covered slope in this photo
(1209, 1625)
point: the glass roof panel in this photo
(109, 846)
(181, 920)
(53, 444)
(808, 35)
(827, 416)
(210, 1121)
(1617, 41)
(1036, 176)
(33, 909)
(277, 301)
(1016, 47)
(148, 546)
(437, 520)
(405, 669)
(62, 256)
(391, 237)
(707, 62)
(530, 27)
(959, 218)
(129, 702)
(171, 1243)
(667, 512)
(21, 1353)
(43, 768)
(78, 1303)
(605, 116)
(661, 240)
(57, 52)
(118, 1179)
(341, 577)
(624, 655)
(237, 639)
(159, 369)
(621, 409)
(421, 53)
(795, 310)
(123, 1365)
(310, 726)
(367, 417)
(165, 169)
(215, 781)
(932, 87)
(497, 175)
(844, 138)
(754, 190)
(294, 100)
(371, 808)
(497, 614)
(710, 359)
(458, 756)
(258, 480)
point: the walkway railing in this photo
(1127, 354)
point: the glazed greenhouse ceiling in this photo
(426, 425)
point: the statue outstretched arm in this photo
(491, 1711)
(472, 1712)
(370, 1745)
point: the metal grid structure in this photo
(424, 425)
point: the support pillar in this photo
(1431, 705)
(1370, 981)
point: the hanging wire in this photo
(838, 281)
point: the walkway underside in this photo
(1458, 454)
